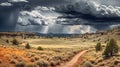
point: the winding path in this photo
(74, 60)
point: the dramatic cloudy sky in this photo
(59, 16)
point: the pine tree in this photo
(7, 41)
(98, 47)
(27, 46)
(111, 48)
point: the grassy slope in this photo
(95, 58)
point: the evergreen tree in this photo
(111, 48)
(27, 46)
(7, 41)
(98, 47)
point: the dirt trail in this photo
(74, 60)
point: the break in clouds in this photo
(59, 16)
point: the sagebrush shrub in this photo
(15, 42)
(87, 64)
(42, 63)
(39, 48)
(30, 65)
(13, 61)
(20, 64)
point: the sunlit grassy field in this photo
(55, 51)
(58, 43)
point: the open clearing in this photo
(56, 51)
(59, 43)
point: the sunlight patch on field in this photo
(59, 43)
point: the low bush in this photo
(36, 57)
(13, 61)
(53, 63)
(15, 42)
(15, 56)
(87, 64)
(39, 48)
(20, 64)
(42, 63)
(32, 59)
(30, 65)
(58, 57)
(99, 60)
(29, 55)
(44, 56)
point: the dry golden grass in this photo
(59, 43)
(95, 59)
(13, 55)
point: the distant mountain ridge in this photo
(113, 32)
(58, 35)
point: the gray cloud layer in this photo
(59, 16)
(92, 7)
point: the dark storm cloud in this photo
(80, 19)
(48, 2)
(8, 18)
(93, 13)
(9, 14)
(91, 8)
(74, 18)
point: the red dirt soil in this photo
(75, 60)
(6, 54)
